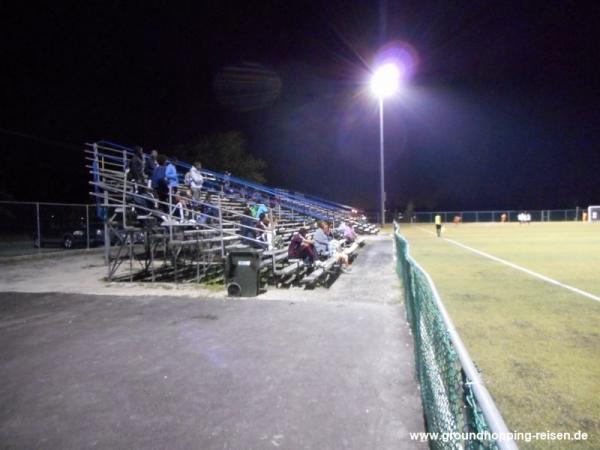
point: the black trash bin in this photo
(242, 270)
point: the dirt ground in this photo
(85, 273)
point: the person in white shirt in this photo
(194, 179)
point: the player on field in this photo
(438, 225)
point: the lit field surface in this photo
(538, 344)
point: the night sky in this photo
(501, 111)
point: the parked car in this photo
(56, 233)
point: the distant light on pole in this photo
(384, 83)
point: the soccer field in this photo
(537, 343)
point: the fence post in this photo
(87, 225)
(124, 188)
(221, 229)
(169, 217)
(106, 234)
(39, 228)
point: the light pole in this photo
(384, 83)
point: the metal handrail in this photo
(15, 202)
(274, 192)
(172, 218)
(290, 204)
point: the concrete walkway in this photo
(331, 370)
(373, 279)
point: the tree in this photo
(226, 152)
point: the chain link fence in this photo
(544, 215)
(456, 404)
(29, 228)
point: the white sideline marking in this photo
(522, 269)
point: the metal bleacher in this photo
(185, 240)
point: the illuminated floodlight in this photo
(386, 80)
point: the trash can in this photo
(242, 270)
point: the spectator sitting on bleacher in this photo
(247, 224)
(266, 230)
(136, 166)
(208, 213)
(301, 247)
(259, 208)
(347, 232)
(180, 209)
(350, 234)
(144, 202)
(194, 180)
(327, 247)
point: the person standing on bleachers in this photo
(243, 193)
(227, 183)
(160, 183)
(150, 163)
(171, 174)
(195, 180)
(136, 166)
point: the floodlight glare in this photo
(386, 80)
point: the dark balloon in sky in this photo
(247, 87)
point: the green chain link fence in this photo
(456, 404)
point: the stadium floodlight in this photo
(384, 83)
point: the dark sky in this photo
(502, 110)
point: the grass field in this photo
(538, 344)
